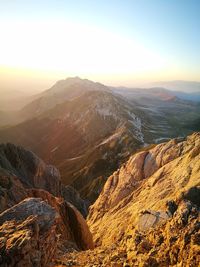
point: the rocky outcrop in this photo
(71, 195)
(21, 170)
(12, 190)
(72, 227)
(146, 215)
(36, 224)
(175, 242)
(35, 231)
(150, 184)
(148, 212)
(28, 234)
(30, 169)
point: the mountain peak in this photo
(70, 82)
(75, 78)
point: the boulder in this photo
(28, 234)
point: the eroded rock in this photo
(21, 170)
(28, 234)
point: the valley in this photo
(100, 133)
(87, 130)
(99, 176)
(156, 190)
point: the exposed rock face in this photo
(71, 195)
(156, 191)
(149, 211)
(31, 170)
(21, 170)
(28, 234)
(12, 190)
(176, 242)
(35, 225)
(72, 227)
(34, 231)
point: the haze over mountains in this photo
(88, 130)
(106, 144)
(17, 99)
(102, 170)
(178, 85)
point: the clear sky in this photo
(117, 42)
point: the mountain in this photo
(86, 138)
(21, 171)
(88, 130)
(160, 91)
(20, 106)
(146, 215)
(178, 85)
(153, 93)
(12, 100)
(186, 90)
(60, 92)
(37, 219)
(166, 115)
(148, 211)
(189, 96)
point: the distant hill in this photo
(160, 91)
(61, 91)
(88, 130)
(12, 100)
(179, 85)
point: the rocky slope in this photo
(147, 215)
(150, 207)
(35, 231)
(146, 182)
(175, 242)
(148, 212)
(21, 170)
(28, 234)
(166, 115)
(37, 219)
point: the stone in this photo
(28, 234)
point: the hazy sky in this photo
(117, 42)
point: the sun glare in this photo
(71, 48)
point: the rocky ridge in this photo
(28, 234)
(148, 212)
(37, 219)
(146, 215)
(175, 242)
(21, 170)
(147, 181)
(34, 231)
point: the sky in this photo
(117, 42)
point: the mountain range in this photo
(88, 130)
(179, 85)
(92, 175)
(146, 215)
